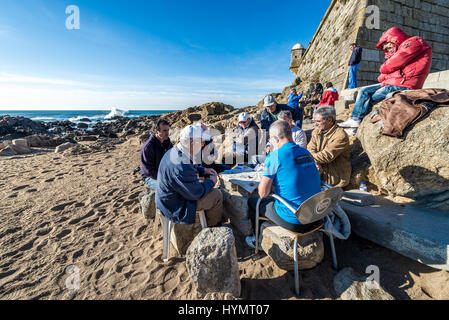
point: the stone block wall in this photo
(327, 55)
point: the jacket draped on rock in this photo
(331, 150)
(409, 65)
(408, 107)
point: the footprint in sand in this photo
(63, 234)
(62, 206)
(44, 232)
(77, 220)
(13, 196)
(31, 190)
(50, 180)
(78, 254)
(20, 188)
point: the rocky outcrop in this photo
(415, 166)
(17, 127)
(212, 262)
(63, 147)
(350, 286)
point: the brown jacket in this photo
(408, 107)
(331, 150)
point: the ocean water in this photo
(76, 115)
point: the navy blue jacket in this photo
(178, 188)
(151, 155)
(266, 119)
(356, 56)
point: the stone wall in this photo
(327, 55)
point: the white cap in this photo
(243, 117)
(268, 101)
(194, 132)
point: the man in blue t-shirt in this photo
(292, 171)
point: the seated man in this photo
(152, 152)
(270, 113)
(298, 135)
(329, 147)
(313, 101)
(248, 130)
(329, 96)
(407, 67)
(293, 102)
(294, 175)
(180, 194)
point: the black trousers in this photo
(268, 211)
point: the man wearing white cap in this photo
(247, 130)
(180, 194)
(272, 108)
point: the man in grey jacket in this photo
(180, 193)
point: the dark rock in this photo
(82, 125)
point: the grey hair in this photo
(281, 129)
(327, 112)
(285, 114)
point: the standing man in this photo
(152, 152)
(293, 102)
(354, 62)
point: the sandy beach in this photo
(83, 210)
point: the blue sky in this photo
(146, 55)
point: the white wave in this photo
(43, 119)
(116, 112)
(92, 118)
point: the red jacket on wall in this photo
(409, 65)
(329, 97)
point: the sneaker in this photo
(251, 241)
(351, 123)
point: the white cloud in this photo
(30, 92)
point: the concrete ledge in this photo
(420, 234)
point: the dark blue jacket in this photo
(356, 56)
(178, 188)
(267, 119)
(151, 155)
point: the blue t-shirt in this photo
(295, 178)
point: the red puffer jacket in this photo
(329, 98)
(409, 65)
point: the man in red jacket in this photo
(407, 65)
(329, 96)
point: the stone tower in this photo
(363, 22)
(297, 53)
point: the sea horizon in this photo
(77, 115)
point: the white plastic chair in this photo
(312, 210)
(167, 226)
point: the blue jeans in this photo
(151, 183)
(369, 96)
(353, 76)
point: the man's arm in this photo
(408, 51)
(265, 186)
(149, 158)
(187, 184)
(331, 151)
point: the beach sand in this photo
(57, 211)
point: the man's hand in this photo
(319, 167)
(268, 150)
(213, 175)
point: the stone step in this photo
(418, 233)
